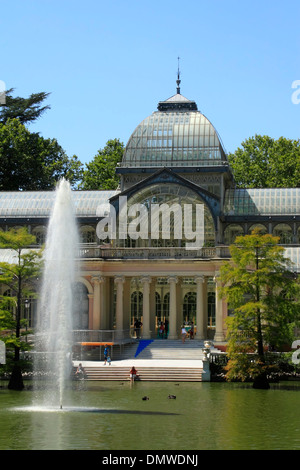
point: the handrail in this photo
(153, 252)
(102, 336)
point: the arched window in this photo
(261, 228)
(87, 234)
(231, 232)
(169, 217)
(40, 233)
(284, 232)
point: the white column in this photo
(146, 280)
(200, 280)
(96, 303)
(152, 305)
(219, 334)
(102, 281)
(119, 280)
(173, 334)
(91, 308)
(126, 305)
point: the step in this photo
(168, 374)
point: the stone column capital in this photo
(96, 279)
(119, 279)
(172, 279)
(200, 279)
(145, 279)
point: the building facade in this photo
(152, 249)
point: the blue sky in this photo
(107, 64)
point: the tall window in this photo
(136, 306)
(81, 307)
(166, 305)
(189, 307)
(158, 309)
(211, 309)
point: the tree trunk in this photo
(16, 379)
(261, 382)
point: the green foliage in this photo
(100, 172)
(16, 283)
(263, 162)
(27, 160)
(30, 162)
(263, 294)
(24, 109)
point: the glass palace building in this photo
(152, 249)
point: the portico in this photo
(169, 291)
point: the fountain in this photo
(54, 329)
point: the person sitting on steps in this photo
(133, 373)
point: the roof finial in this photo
(178, 78)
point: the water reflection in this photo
(111, 416)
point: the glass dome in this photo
(175, 135)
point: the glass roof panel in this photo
(293, 254)
(39, 203)
(267, 201)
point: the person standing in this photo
(166, 328)
(192, 331)
(137, 327)
(183, 333)
(106, 354)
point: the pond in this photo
(114, 416)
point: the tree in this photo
(263, 162)
(101, 171)
(17, 277)
(24, 109)
(30, 162)
(263, 293)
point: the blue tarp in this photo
(142, 345)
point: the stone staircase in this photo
(148, 373)
(160, 360)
